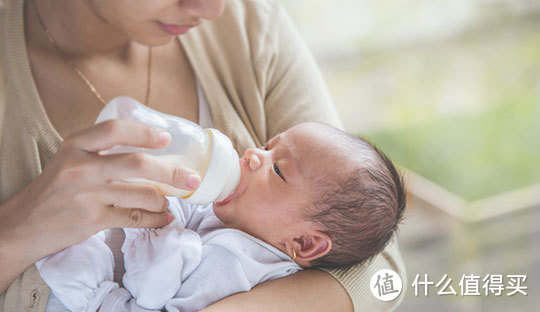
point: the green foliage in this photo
(473, 156)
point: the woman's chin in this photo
(154, 40)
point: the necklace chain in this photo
(80, 73)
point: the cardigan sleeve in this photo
(290, 81)
(294, 92)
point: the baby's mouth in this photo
(226, 200)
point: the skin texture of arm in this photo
(309, 290)
(12, 259)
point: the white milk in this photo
(206, 151)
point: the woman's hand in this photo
(81, 192)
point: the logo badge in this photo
(385, 285)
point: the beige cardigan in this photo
(259, 79)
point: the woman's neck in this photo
(76, 29)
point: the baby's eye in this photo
(277, 171)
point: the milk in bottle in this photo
(207, 151)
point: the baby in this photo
(313, 196)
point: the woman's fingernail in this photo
(193, 181)
(164, 137)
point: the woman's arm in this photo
(13, 259)
(309, 290)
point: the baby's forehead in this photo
(322, 150)
(322, 160)
(318, 135)
(325, 142)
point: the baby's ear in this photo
(312, 246)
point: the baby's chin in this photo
(221, 213)
(227, 214)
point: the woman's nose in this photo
(253, 158)
(207, 9)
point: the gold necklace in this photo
(79, 72)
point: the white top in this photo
(184, 266)
(205, 115)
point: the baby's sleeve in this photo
(157, 261)
(218, 276)
(120, 300)
(80, 276)
(231, 262)
(192, 216)
(181, 210)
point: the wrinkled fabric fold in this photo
(80, 276)
(184, 266)
(157, 261)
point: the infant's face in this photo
(276, 186)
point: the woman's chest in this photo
(72, 100)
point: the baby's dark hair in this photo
(361, 211)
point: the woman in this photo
(239, 66)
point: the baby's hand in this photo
(157, 261)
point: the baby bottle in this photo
(207, 151)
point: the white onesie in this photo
(184, 266)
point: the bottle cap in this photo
(223, 173)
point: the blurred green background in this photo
(449, 89)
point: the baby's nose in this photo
(253, 160)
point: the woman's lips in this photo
(174, 29)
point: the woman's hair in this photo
(361, 211)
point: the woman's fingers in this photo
(142, 165)
(133, 195)
(107, 134)
(119, 217)
(72, 198)
(103, 136)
